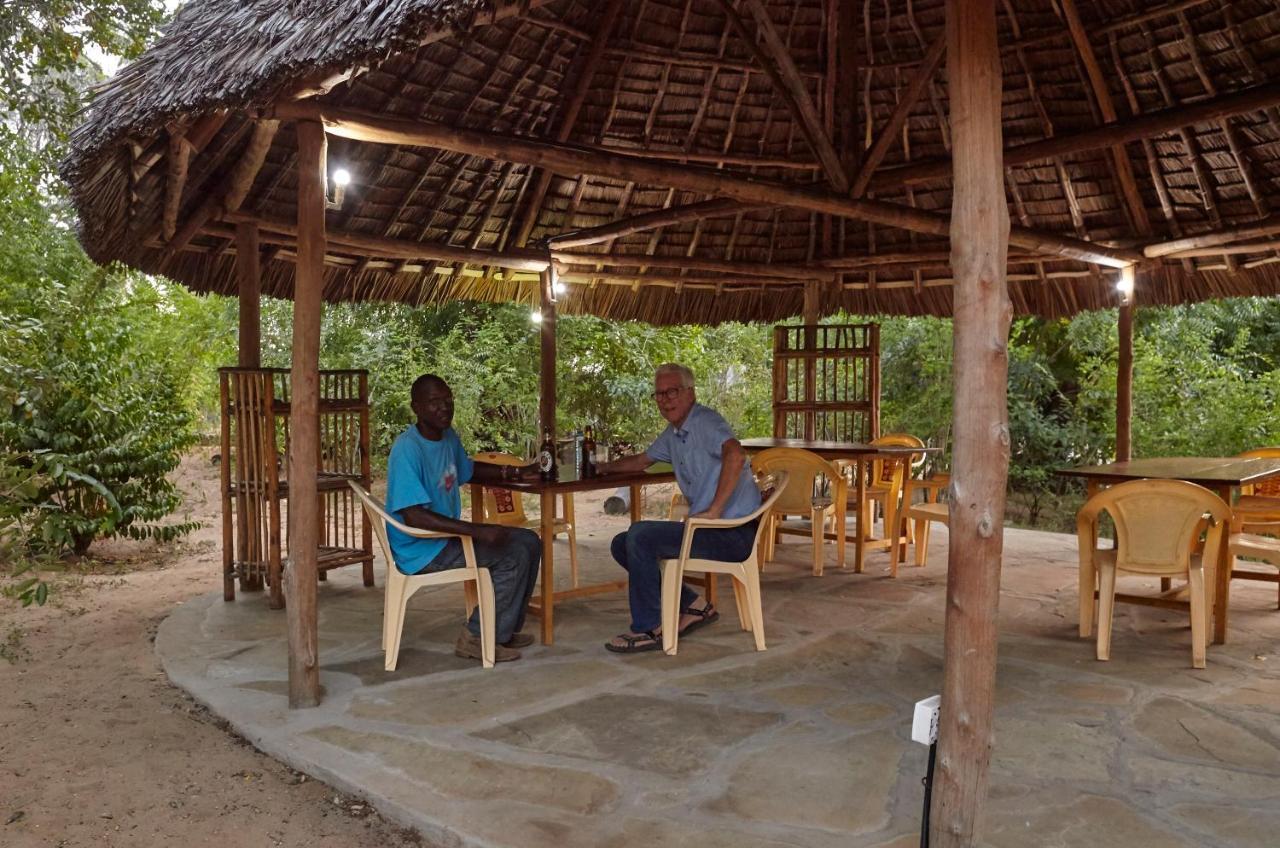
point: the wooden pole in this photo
(304, 437)
(812, 311)
(980, 455)
(547, 361)
(249, 277)
(1124, 385)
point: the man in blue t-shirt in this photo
(426, 471)
(714, 475)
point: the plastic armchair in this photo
(477, 583)
(1158, 523)
(505, 507)
(745, 574)
(919, 515)
(1255, 534)
(804, 469)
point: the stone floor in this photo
(806, 744)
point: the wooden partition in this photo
(255, 450)
(826, 382)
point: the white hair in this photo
(686, 375)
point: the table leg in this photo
(477, 503)
(548, 575)
(860, 532)
(636, 512)
(1222, 586)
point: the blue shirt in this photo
(694, 452)
(429, 474)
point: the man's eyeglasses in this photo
(668, 394)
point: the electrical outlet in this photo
(924, 725)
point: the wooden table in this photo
(568, 483)
(1222, 475)
(856, 453)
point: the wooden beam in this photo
(547, 358)
(889, 132)
(1148, 125)
(179, 158)
(980, 458)
(1183, 246)
(304, 438)
(723, 266)
(1119, 156)
(582, 85)
(712, 157)
(248, 274)
(232, 193)
(519, 260)
(775, 60)
(363, 126)
(650, 221)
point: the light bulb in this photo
(535, 316)
(341, 177)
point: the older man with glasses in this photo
(714, 475)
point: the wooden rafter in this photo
(355, 124)
(1150, 124)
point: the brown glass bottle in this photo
(547, 457)
(589, 452)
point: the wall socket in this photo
(924, 725)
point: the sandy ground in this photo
(97, 749)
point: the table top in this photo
(569, 481)
(1202, 470)
(834, 450)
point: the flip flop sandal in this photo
(646, 641)
(706, 615)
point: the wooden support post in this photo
(980, 457)
(304, 437)
(249, 276)
(1124, 383)
(547, 364)
(811, 315)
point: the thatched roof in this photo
(681, 81)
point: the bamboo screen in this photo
(826, 382)
(255, 450)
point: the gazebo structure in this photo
(701, 161)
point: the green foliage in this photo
(93, 381)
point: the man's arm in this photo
(424, 519)
(731, 465)
(626, 465)
(492, 474)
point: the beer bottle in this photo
(589, 452)
(547, 457)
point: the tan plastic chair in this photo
(1265, 494)
(1157, 523)
(477, 583)
(505, 507)
(804, 468)
(745, 574)
(917, 516)
(885, 483)
(1255, 534)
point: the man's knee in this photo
(529, 545)
(619, 547)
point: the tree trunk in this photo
(980, 463)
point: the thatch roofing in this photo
(681, 81)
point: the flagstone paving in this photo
(806, 744)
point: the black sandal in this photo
(706, 615)
(635, 644)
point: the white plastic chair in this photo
(477, 582)
(745, 574)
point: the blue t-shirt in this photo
(429, 474)
(694, 453)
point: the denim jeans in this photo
(514, 569)
(639, 549)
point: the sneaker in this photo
(468, 647)
(519, 640)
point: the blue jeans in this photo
(514, 569)
(639, 549)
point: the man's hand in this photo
(491, 534)
(711, 512)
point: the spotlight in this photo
(535, 316)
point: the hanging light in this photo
(535, 316)
(340, 179)
(1125, 285)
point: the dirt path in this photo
(97, 749)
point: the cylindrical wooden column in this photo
(1124, 382)
(812, 310)
(249, 277)
(980, 454)
(304, 525)
(547, 361)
